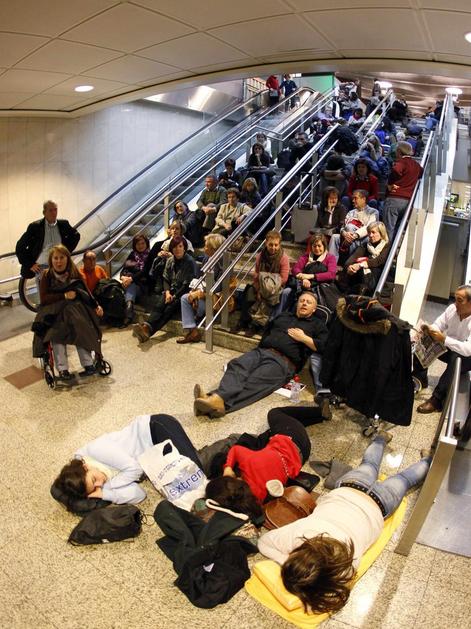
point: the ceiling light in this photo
(84, 88)
(454, 91)
(468, 37)
(385, 85)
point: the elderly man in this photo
(355, 230)
(284, 348)
(453, 329)
(33, 247)
(401, 184)
(209, 202)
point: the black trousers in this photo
(162, 313)
(441, 390)
(163, 427)
(291, 421)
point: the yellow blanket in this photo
(265, 584)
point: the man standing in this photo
(284, 348)
(33, 247)
(453, 329)
(401, 184)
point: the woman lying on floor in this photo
(108, 467)
(277, 454)
(320, 553)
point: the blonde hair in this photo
(380, 226)
(71, 269)
(214, 241)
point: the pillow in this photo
(266, 586)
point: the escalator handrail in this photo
(143, 207)
(211, 263)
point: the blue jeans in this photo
(133, 291)
(189, 316)
(316, 367)
(391, 491)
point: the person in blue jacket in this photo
(108, 467)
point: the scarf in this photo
(375, 250)
(140, 259)
(313, 258)
(62, 278)
(268, 263)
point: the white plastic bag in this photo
(174, 475)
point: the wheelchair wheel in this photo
(103, 367)
(28, 293)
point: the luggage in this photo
(110, 295)
(113, 524)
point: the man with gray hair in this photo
(404, 175)
(453, 329)
(32, 249)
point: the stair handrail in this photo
(145, 205)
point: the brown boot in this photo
(141, 331)
(198, 392)
(432, 405)
(212, 405)
(193, 336)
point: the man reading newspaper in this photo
(453, 330)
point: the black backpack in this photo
(112, 524)
(110, 295)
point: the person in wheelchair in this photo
(68, 315)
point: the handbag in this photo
(294, 504)
(175, 476)
(112, 524)
(305, 480)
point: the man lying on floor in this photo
(282, 352)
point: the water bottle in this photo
(295, 390)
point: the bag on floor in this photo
(174, 475)
(294, 504)
(112, 524)
(110, 295)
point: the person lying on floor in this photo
(108, 467)
(320, 553)
(286, 344)
(283, 450)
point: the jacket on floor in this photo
(210, 562)
(368, 361)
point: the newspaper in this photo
(425, 348)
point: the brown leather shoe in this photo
(193, 336)
(212, 405)
(198, 392)
(141, 331)
(432, 405)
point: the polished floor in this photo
(46, 583)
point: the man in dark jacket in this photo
(33, 247)
(285, 346)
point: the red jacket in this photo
(280, 459)
(370, 185)
(272, 83)
(405, 173)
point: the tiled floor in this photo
(46, 583)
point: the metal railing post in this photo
(209, 311)
(167, 212)
(419, 238)
(411, 229)
(279, 206)
(226, 260)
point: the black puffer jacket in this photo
(368, 360)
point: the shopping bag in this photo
(174, 475)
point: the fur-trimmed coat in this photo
(368, 360)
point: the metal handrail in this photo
(404, 221)
(143, 208)
(453, 398)
(238, 231)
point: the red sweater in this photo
(280, 459)
(405, 173)
(370, 185)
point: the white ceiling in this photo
(132, 49)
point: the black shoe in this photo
(65, 375)
(90, 370)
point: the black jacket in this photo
(29, 246)
(210, 562)
(276, 337)
(370, 364)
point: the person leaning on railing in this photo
(453, 329)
